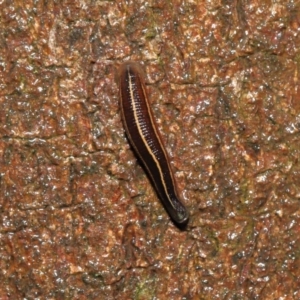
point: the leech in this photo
(145, 139)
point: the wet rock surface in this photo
(79, 218)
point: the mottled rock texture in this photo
(79, 218)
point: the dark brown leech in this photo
(146, 141)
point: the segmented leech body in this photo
(145, 139)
